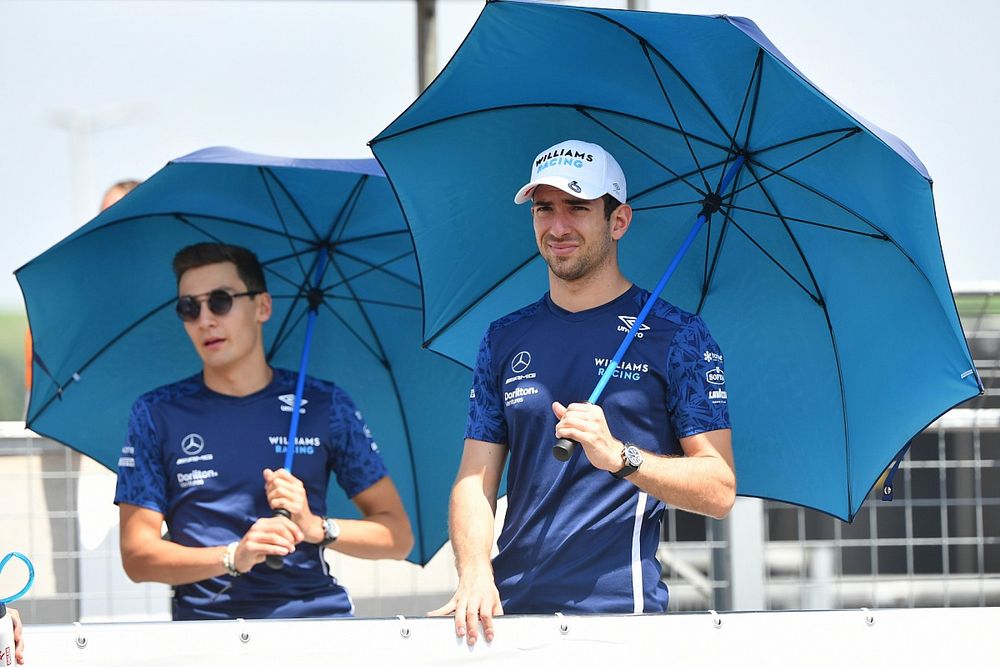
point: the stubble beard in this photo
(588, 259)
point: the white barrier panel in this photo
(894, 636)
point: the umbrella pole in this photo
(564, 447)
(315, 297)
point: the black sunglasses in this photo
(219, 302)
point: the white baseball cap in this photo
(578, 168)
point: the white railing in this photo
(893, 636)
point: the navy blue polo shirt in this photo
(197, 457)
(575, 539)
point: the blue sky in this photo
(318, 79)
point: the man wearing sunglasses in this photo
(200, 453)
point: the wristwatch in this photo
(631, 458)
(331, 531)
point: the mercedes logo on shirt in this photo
(521, 361)
(192, 444)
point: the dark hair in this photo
(201, 254)
(610, 204)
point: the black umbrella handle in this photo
(563, 449)
(274, 561)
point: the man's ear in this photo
(264, 306)
(621, 219)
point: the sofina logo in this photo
(715, 376)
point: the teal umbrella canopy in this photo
(101, 310)
(818, 267)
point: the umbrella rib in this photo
(781, 170)
(344, 214)
(374, 302)
(734, 150)
(264, 173)
(807, 137)
(380, 267)
(829, 324)
(673, 111)
(291, 198)
(699, 202)
(368, 237)
(555, 105)
(395, 388)
(285, 331)
(710, 270)
(747, 209)
(183, 217)
(666, 61)
(756, 75)
(677, 177)
(827, 198)
(672, 181)
(79, 371)
(483, 294)
(795, 242)
(817, 299)
(301, 290)
(379, 354)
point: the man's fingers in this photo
(472, 623)
(446, 609)
(486, 616)
(460, 611)
(558, 409)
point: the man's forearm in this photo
(169, 563)
(471, 519)
(384, 535)
(701, 484)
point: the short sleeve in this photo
(355, 460)
(696, 373)
(141, 480)
(486, 419)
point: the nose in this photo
(562, 223)
(206, 317)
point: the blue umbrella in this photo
(101, 309)
(804, 235)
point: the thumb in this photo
(268, 475)
(559, 409)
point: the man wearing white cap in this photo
(581, 536)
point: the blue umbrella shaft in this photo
(273, 561)
(563, 448)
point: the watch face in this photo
(332, 529)
(633, 456)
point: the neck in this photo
(590, 291)
(248, 379)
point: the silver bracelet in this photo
(229, 560)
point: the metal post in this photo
(746, 554)
(426, 43)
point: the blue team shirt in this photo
(196, 456)
(574, 538)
